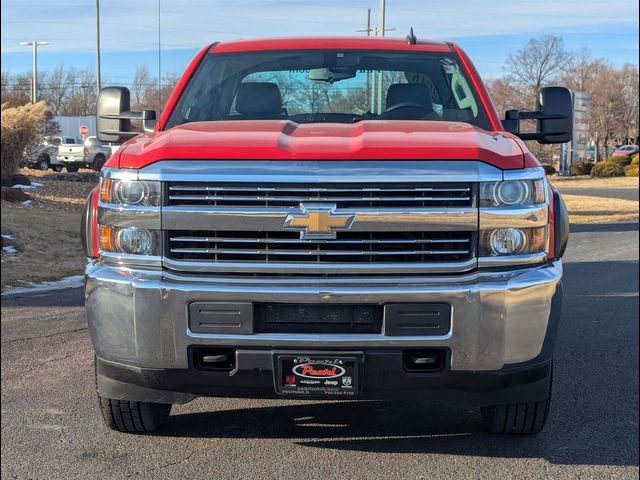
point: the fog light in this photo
(507, 241)
(134, 240)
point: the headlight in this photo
(512, 192)
(512, 241)
(507, 241)
(129, 240)
(129, 192)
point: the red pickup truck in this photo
(326, 218)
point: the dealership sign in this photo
(581, 117)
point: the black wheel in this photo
(71, 168)
(43, 163)
(98, 162)
(57, 168)
(517, 418)
(133, 417)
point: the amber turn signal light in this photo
(106, 239)
(105, 190)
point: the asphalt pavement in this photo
(51, 427)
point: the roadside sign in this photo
(581, 117)
(577, 148)
(84, 130)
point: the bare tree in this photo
(583, 72)
(507, 94)
(140, 86)
(56, 89)
(16, 90)
(629, 79)
(82, 99)
(541, 61)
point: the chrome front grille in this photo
(343, 195)
(246, 228)
(347, 247)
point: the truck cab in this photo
(326, 218)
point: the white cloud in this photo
(127, 26)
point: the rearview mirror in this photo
(332, 74)
(553, 115)
(114, 116)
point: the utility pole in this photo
(381, 30)
(34, 71)
(98, 73)
(369, 92)
(367, 30)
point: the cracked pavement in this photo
(51, 426)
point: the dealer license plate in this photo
(318, 375)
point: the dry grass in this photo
(585, 209)
(48, 244)
(19, 128)
(588, 182)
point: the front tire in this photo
(57, 168)
(518, 418)
(71, 168)
(98, 162)
(133, 417)
(43, 164)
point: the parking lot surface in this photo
(51, 426)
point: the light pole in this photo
(34, 79)
(98, 73)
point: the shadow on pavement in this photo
(594, 414)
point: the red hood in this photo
(285, 140)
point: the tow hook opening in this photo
(212, 358)
(429, 359)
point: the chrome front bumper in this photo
(140, 317)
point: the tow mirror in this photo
(553, 115)
(114, 116)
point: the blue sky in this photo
(487, 30)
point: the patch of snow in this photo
(9, 250)
(23, 187)
(26, 203)
(37, 184)
(8, 237)
(68, 282)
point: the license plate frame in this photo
(319, 375)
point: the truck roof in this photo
(341, 43)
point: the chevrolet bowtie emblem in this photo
(318, 221)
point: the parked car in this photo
(625, 151)
(44, 156)
(255, 245)
(70, 152)
(96, 153)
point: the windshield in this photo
(329, 86)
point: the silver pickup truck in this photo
(70, 152)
